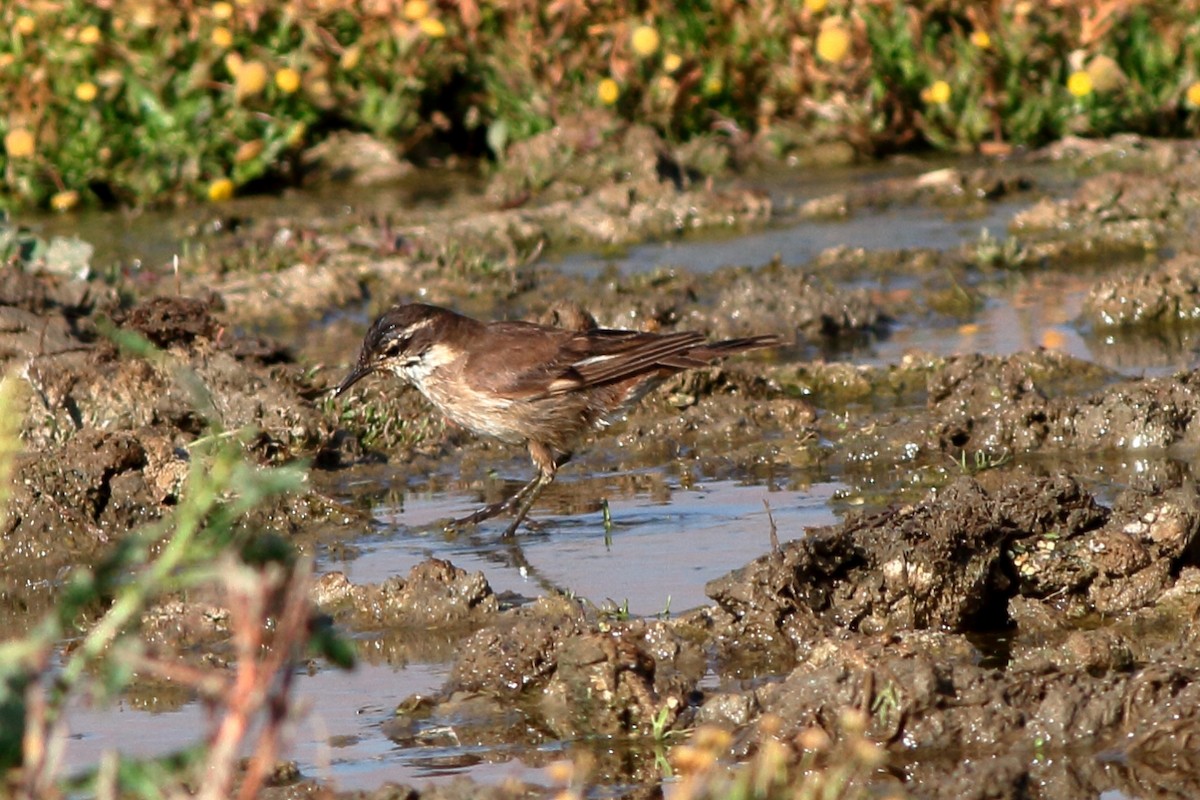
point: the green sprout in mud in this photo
(989, 252)
(378, 424)
(616, 613)
(662, 763)
(885, 704)
(981, 461)
(608, 524)
(660, 725)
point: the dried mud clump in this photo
(942, 564)
(1029, 402)
(791, 302)
(963, 709)
(873, 610)
(955, 561)
(519, 650)
(95, 488)
(168, 321)
(436, 594)
(569, 674)
(1119, 210)
(1162, 296)
(108, 434)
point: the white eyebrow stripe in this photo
(416, 326)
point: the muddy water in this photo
(673, 527)
(664, 542)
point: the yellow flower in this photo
(26, 25)
(833, 42)
(222, 37)
(220, 189)
(287, 79)
(18, 143)
(89, 35)
(713, 86)
(1079, 84)
(608, 91)
(672, 62)
(250, 79)
(222, 10)
(981, 39)
(415, 10)
(85, 92)
(645, 41)
(815, 6)
(1193, 94)
(64, 201)
(6, 60)
(937, 94)
(350, 57)
(432, 27)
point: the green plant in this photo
(981, 461)
(139, 101)
(203, 544)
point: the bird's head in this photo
(398, 341)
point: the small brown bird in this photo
(524, 382)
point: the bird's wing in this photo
(610, 359)
(529, 361)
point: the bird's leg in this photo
(523, 500)
(547, 465)
(494, 509)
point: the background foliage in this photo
(136, 101)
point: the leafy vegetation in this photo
(138, 101)
(204, 547)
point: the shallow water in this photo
(656, 558)
(893, 229)
(658, 555)
(337, 737)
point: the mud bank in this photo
(1009, 598)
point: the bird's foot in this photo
(519, 503)
(483, 514)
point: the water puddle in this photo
(337, 736)
(655, 558)
(657, 555)
(893, 229)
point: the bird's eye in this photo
(396, 346)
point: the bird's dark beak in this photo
(360, 371)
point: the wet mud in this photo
(1012, 606)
